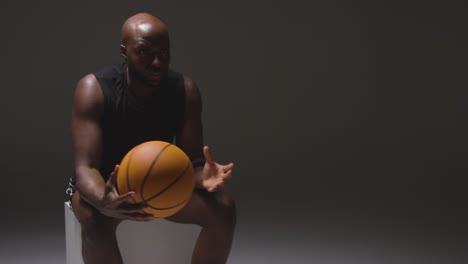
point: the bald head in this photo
(143, 26)
(145, 49)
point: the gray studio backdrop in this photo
(346, 121)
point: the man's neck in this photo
(139, 89)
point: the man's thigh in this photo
(201, 206)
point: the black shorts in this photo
(70, 191)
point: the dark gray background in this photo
(346, 121)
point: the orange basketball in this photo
(160, 174)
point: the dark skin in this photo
(97, 204)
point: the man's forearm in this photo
(198, 165)
(90, 185)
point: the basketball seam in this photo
(149, 170)
(167, 208)
(169, 185)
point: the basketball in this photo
(160, 174)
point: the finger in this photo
(216, 186)
(227, 175)
(132, 208)
(124, 197)
(228, 167)
(220, 185)
(129, 209)
(139, 216)
(211, 187)
(145, 220)
(208, 155)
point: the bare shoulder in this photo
(192, 92)
(191, 88)
(88, 87)
(88, 96)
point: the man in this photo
(118, 107)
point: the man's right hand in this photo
(114, 205)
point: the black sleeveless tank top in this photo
(128, 121)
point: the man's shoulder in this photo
(102, 80)
(173, 74)
(185, 79)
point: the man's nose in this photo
(156, 61)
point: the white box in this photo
(158, 241)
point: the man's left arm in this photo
(209, 174)
(189, 137)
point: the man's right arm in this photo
(88, 107)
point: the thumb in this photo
(208, 155)
(112, 181)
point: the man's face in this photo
(148, 58)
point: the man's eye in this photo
(140, 51)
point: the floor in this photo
(263, 247)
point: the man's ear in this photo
(123, 51)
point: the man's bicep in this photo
(86, 138)
(190, 135)
(190, 138)
(85, 127)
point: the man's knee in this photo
(94, 225)
(226, 202)
(225, 207)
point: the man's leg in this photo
(98, 234)
(216, 214)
